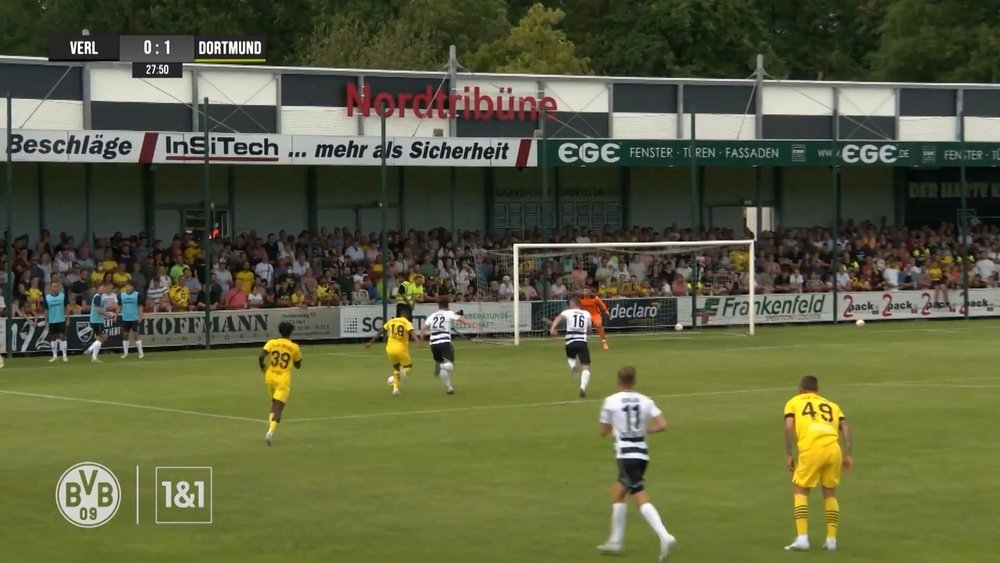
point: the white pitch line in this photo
(127, 405)
(941, 385)
(534, 342)
(787, 388)
(528, 405)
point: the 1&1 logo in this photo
(88, 495)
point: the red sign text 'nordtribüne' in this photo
(470, 103)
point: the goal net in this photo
(656, 287)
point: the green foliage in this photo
(417, 37)
(904, 40)
(713, 38)
(535, 45)
(822, 39)
(347, 41)
(947, 40)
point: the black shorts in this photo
(579, 351)
(631, 474)
(57, 329)
(443, 352)
(97, 328)
(404, 310)
(129, 326)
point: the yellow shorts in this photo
(819, 466)
(398, 356)
(279, 390)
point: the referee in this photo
(409, 294)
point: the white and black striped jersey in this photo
(629, 414)
(577, 325)
(439, 323)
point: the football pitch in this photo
(511, 468)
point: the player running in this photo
(398, 332)
(276, 360)
(99, 311)
(439, 324)
(577, 331)
(816, 427)
(55, 306)
(629, 416)
(131, 315)
(596, 307)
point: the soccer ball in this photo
(389, 381)
(860, 322)
(678, 327)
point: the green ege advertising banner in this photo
(610, 152)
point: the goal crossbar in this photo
(518, 247)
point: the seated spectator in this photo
(213, 295)
(258, 297)
(223, 276)
(528, 291)
(796, 282)
(265, 271)
(179, 296)
(138, 278)
(607, 290)
(782, 282)
(283, 293)
(97, 276)
(298, 296)
(193, 285)
(557, 290)
(119, 277)
(360, 295)
(235, 299)
(245, 278)
(33, 307)
(156, 296)
(815, 284)
(505, 290)
(891, 275)
(326, 293)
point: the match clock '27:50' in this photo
(156, 70)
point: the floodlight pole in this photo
(835, 231)
(384, 205)
(544, 166)
(759, 73)
(963, 216)
(695, 219)
(9, 239)
(207, 237)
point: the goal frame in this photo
(516, 266)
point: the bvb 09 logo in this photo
(88, 495)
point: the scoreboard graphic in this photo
(158, 56)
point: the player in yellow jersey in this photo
(398, 332)
(276, 360)
(816, 427)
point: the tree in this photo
(347, 41)
(467, 24)
(21, 30)
(822, 39)
(534, 45)
(415, 38)
(711, 38)
(947, 40)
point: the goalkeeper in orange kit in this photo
(595, 306)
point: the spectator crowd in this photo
(339, 266)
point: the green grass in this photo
(511, 468)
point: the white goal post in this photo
(545, 251)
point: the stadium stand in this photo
(338, 266)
